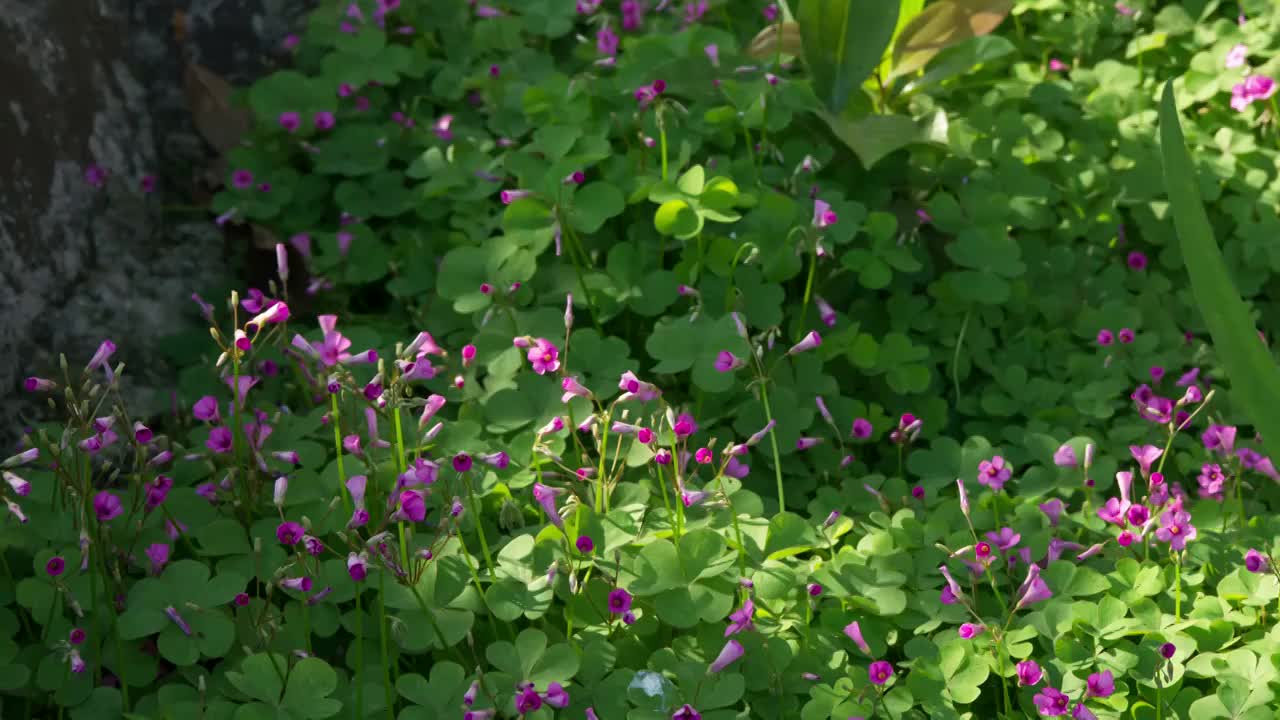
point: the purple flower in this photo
(808, 342)
(1105, 337)
(1125, 336)
(1080, 712)
(740, 619)
(1100, 685)
(861, 428)
(1176, 529)
(106, 506)
(879, 672)
(619, 601)
(728, 362)
(994, 473)
(1254, 561)
(686, 712)
(1168, 650)
(220, 440)
(461, 462)
(1137, 261)
(55, 566)
(1029, 673)
(585, 545)
(158, 554)
(968, 631)
(357, 568)
(290, 121)
(412, 506)
(606, 41)
(1221, 438)
(544, 357)
(556, 696)
(1005, 539)
(1254, 87)
(823, 215)
(1065, 456)
(1033, 589)
(289, 533)
(1145, 455)
(1051, 702)
(1053, 510)
(855, 634)
(728, 655)
(95, 176)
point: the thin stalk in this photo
(382, 642)
(601, 501)
(475, 513)
(1177, 588)
(359, 709)
(808, 294)
(404, 551)
(335, 417)
(773, 442)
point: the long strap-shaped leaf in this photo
(1255, 378)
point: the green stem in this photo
(808, 293)
(662, 142)
(335, 418)
(400, 465)
(773, 442)
(666, 501)
(1177, 588)
(382, 645)
(359, 656)
(601, 500)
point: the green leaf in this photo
(941, 25)
(873, 137)
(258, 678)
(310, 683)
(677, 217)
(1255, 379)
(844, 41)
(595, 203)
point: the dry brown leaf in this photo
(769, 41)
(942, 25)
(209, 100)
(179, 27)
(263, 239)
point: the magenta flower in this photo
(728, 362)
(1221, 438)
(412, 506)
(55, 566)
(740, 619)
(556, 696)
(1124, 10)
(1137, 261)
(1145, 455)
(1056, 65)
(1176, 529)
(1168, 650)
(289, 533)
(158, 554)
(1100, 685)
(994, 473)
(861, 429)
(106, 506)
(544, 356)
(1053, 510)
(632, 15)
(95, 176)
(1029, 673)
(808, 342)
(969, 631)
(1253, 88)
(1114, 511)
(1033, 589)
(1051, 702)
(823, 215)
(952, 585)
(686, 711)
(1237, 56)
(855, 634)
(606, 41)
(242, 179)
(1080, 712)
(646, 94)
(685, 426)
(546, 497)
(731, 652)
(20, 487)
(636, 389)
(1125, 336)
(619, 601)
(805, 443)
(879, 672)
(357, 568)
(1138, 515)
(1254, 561)
(1065, 456)
(1005, 539)
(1105, 337)
(290, 121)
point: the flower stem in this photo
(359, 709)
(808, 294)
(601, 501)
(382, 642)
(1177, 588)
(773, 442)
(335, 417)
(400, 465)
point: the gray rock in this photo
(99, 82)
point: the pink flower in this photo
(808, 342)
(606, 41)
(1137, 261)
(740, 619)
(1056, 65)
(731, 652)
(1033, 589)
(1105, 337)
(1051, 702)
(994, 473)
(728, 362)
(879, 672)
(1145, 455)
(1100, 685)
(1254, 87)
(1237, 56)
(1029, 673)
(544, 356)
(823, 215)
(968, 631)
(1065, 456)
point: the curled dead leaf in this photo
(208, 97)
(942, 25)
(770, 41)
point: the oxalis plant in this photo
(605, 374)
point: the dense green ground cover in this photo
(679, 360)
